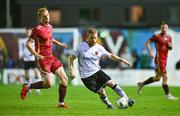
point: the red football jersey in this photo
(160, 41)
(42, 35)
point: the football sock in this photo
(148, 81)
(166, 88)
(105, 100)
(62, 93)
(37, 85)
(119, 91)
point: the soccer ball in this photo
(122, 102)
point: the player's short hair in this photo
(40, 10)
(163, 23)
(91, 31)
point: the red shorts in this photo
(160, 66)
(48, 64)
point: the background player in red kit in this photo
(163, 43)
(46, 62)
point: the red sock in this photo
(62, 93)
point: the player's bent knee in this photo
(64, 81)
(110, 83)
(48, 84)
(157, 79)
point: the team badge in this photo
(49, 35)
(96, 52)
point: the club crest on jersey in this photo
(49, 35)
(96, 52)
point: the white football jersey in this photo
(24, 52)
(88, 58)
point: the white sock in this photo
(105, 100)
(120, 91)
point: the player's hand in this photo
(128, 63)
(169, 45)
(72, 76)
(151, 54)
(63, 45)
(39, 57)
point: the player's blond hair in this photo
(91, 31)
(41, 10)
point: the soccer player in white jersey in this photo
(89, 54)
(28, 61)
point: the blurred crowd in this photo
(139, 61)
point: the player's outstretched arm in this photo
(59, 43)
(148, 46)
(71, 66)
(117, 58)
(29, 47)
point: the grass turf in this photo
(85, 103)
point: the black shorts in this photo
(96, 81)
(29, 64)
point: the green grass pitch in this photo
(85, 103)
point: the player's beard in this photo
(92, 43)
(163, 32)
(46, 21)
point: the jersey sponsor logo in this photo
(91, 58)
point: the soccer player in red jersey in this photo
(46, 62)
(163, 43)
